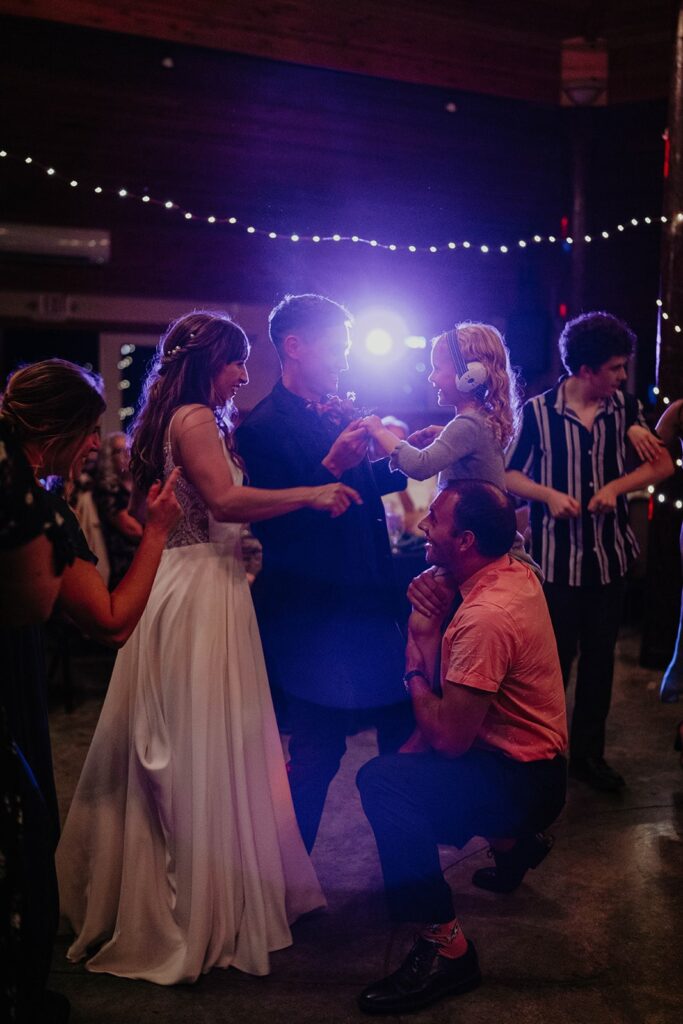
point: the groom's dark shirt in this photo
(325, 598)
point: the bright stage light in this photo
(415, 341)
(379, 335)
(379, 342)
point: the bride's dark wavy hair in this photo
(189, 355)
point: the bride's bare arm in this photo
(198, 450)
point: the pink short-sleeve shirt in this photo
(501, 641)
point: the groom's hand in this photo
(348, 450)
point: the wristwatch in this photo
(411, 675)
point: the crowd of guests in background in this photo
(161, 874)
(100, 497)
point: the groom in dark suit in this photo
(326, 599)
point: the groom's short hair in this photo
(305, 314)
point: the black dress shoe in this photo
(597, 773)
(424, 977)
(512, 865)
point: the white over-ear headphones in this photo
(468, 376)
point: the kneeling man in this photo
(488, 756)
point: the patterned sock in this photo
(449, 936)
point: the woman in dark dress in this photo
(50, 412)
(33, 552)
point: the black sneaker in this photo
(512, 865)
(597, 773)
(423, 978)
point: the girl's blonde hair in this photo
(501, 401)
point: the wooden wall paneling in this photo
(215, 125)
(497, 47)
(297, 146)
(428, 43)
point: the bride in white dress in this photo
(181, 850)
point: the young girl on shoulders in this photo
(471, 372)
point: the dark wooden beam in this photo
(497, 47)
(670, 368)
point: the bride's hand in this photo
(334, 498)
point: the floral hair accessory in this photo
(176, 349)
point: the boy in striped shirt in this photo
(569, 461)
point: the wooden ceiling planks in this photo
(303, 150)
(505, 48)
(97, 104)
(295, 148)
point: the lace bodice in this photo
(198, 526)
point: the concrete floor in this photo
(594, 936)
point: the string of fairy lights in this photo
(661, 497)
(300, 237)
(146, 198)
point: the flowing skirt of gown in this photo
(181, 850)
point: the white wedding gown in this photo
(181, 851)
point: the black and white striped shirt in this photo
(556, 450)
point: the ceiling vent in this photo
(36, 242)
